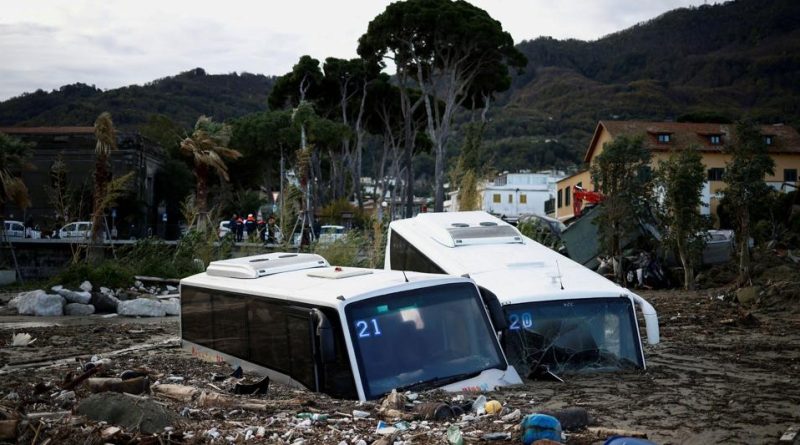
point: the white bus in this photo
(558, 313)
(347, 332)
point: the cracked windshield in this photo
(430, 336)
(569, 336)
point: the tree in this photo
(106, 137)
(744, 177)
(622, 174)
(445, 47)
(14, 155)
(208, 148)
(681, 179)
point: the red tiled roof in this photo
(683, 135)
(47, 130)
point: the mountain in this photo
(182, 98)
(713, 62)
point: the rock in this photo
(78, 309)
(104, 303)
(56, 288)
(12, 303)
(747, 295)
(75, 297)
(172, 306)
(106, 291)
(171, 288)
(141, 307)
(138, 284)
(571, 418)
(130, 413)
(40, 304)
(86, 286)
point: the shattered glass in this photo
(572, 336)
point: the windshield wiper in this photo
(436, 382)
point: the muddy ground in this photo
(720, 375)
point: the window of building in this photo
(558, 198)
(715, 174)
(496, 198)
(663, 138)
(510, 198)
(567, 196)
(715, 139)
(768, 140)
(523, 199)
(579, 185)
(790, 175)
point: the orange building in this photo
(663, 137)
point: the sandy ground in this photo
(718, 376)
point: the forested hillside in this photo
(181, 98)
(718, 62)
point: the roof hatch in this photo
(460, 234)
(263, 265)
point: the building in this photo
(75, 146)
(663, 137)
(512, 195)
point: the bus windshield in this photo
(422, 338)
(578, 335)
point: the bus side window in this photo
(404, 256)
(230, 325)
(338, 379)
(301, 349)
(269, 346)
(196, 317)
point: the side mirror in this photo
(327, 342)
(496, 313)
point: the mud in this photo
(720, 375)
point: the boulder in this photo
(40, 304)
(131, 413)
(747, 295)
(78, 309)
(171, 288)
(172, 306)
(104, 303)
(86, 286)
(141, 307)
(75, 297)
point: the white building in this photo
(513, 194)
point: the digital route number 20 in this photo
(368, 328)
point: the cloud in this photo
(111, 44)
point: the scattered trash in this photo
(513, 416)
(138, 385)
(385, 429)
(393, 401)
(789, 435)
(621, 440)
(21, 340)
(496, 436)
(479, 405)
(132, 374)
(357, 414)
(540, 426)
(493, 407)
(314, 417)
(454, 436)
(252, 389)
(434, 411)
(237, 373)
(402, 426)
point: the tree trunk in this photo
(688, 269)
(744, 248)
(201, 195)
(438, 199)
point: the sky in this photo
(113, 43)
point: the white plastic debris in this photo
(479, 405)
(22, 339)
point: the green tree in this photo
(106, 137)
(14, 155)
(744, 178)
(622, 174)
(446, 47)
(208, 148)
(680, 178)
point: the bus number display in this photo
(519, 321)
(368, 328)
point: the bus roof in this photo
(516, 271)
(318, 285)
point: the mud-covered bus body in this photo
(348, 332)
(558, 313)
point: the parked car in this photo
(16, 229)
(224, 228)
(331, 233)
(78, 229)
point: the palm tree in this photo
(207, 146)
(106, 137)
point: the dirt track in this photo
(718, 376)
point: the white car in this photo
(16, 229)
(78, 229)
(330, 233)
